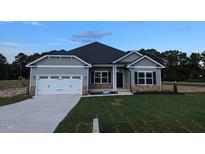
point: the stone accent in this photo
(145, 88)
(32, 90)
(101, 86)
(10, 92)
(85, 91)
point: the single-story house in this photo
(94, 68)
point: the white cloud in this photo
(55, 44)
(11, 52)
(16, 44)
(34, 23)
(11, 49)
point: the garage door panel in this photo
(54, 85)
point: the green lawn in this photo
(12, 100)
(138, 113)
(13, 83)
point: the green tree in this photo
(33, 57)
(2, 59)
(203, 58)
(194, 65)
(21, 60)
(3, 63)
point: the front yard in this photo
(4, 84)
(138, 113)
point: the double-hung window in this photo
(101, 77)
(145, 78)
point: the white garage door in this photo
(59, 84)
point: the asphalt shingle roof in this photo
(97, 53)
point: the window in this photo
(54, 77)
(145, 78)
(141, 78)
(43, 77)
(76, 77)
(148, 77)
(65, 77)
(101, 77)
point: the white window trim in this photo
(145, 77)
(101, 77)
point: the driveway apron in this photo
(42, 114)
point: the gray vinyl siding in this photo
(145, 62)
(157, 70)
(126, 77)
(50, 70)
(130, 58)
(59, 61)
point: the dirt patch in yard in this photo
(117, 102)
(184, 89)
(10, 92)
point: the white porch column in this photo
(114, 78)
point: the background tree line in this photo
(179, 66)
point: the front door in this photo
(119, 80)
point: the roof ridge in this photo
(96, 42)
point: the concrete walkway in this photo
(42, 114)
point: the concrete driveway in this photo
(42, 114)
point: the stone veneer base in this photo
(145, 88)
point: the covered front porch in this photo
(115, 78)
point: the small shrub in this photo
(175, 89)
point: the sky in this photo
(35, 37)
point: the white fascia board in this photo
(107, 65)
(127, 55)
(142, 67)
(161, 66)
(29, 65)
(82, 61)
(62, 66)
(155, 62)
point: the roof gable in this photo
(58, 60)
(97, 53)
(129, 57)
(145, 61)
